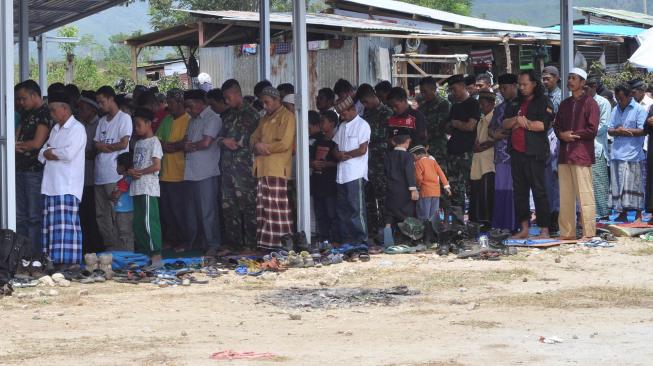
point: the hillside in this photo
(544, 13)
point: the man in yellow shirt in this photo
(171, 132)
(272, 144)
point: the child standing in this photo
(323, 180)
(401, 191)
(123, 205)
(145, 188)
(429, 176)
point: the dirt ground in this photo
(598, 302)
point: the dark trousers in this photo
(172, 203)
(203, 212)
(91, 238)
(481, 201)
(29, 210)
(351, 212)
(326, 217)
(528, 175)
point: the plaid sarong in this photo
(626, 182)
(272, 212)
(61, 237)
(601, 180)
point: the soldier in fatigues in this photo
(238, 183)
(463, 117)
(436, 110)
(377, 115)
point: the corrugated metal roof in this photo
(606, 29)
(629, 16)
(438, 15)
(327, 20)
(45, 15)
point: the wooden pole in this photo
(134, 55)
(506, 47)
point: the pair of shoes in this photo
(102, 262)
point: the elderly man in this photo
(627, 128)
(174, 194)
(272, 144)
(600, 175)
(63, 184)
(202, 172)
(576, 125)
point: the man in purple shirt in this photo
(576, 125)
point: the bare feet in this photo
(521, 235)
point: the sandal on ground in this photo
(364, 257)
(399, 249)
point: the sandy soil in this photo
(598, 301)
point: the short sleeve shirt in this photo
(144, 151)
(29, 122)
(203, 164)
(463, 141)
(172, 165)
(110, 132)
(350, 136)
(628, 148)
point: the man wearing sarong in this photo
(63, 184)
(272, 144)
(627, 128)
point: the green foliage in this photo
(610, 80)
(166, 83)
(69, 31)
(462, 7)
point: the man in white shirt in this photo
(352, 139)
(63, 183)
(111, 139)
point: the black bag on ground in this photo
(12, 246)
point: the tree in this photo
(462, 7)
(69, 31)
(163, 15)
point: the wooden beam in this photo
(419, 69)
(171, 36)
(216, 35)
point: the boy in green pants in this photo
(145, 188)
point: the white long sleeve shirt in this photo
(66, 175)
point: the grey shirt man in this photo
(203, 164)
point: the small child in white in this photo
(145, 188)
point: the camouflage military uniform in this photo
(238, 183)
(378, 121)
(436, 112)
(457, 171)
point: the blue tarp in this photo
(606, 29)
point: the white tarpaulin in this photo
(643, 57)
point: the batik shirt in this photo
(29, 121)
